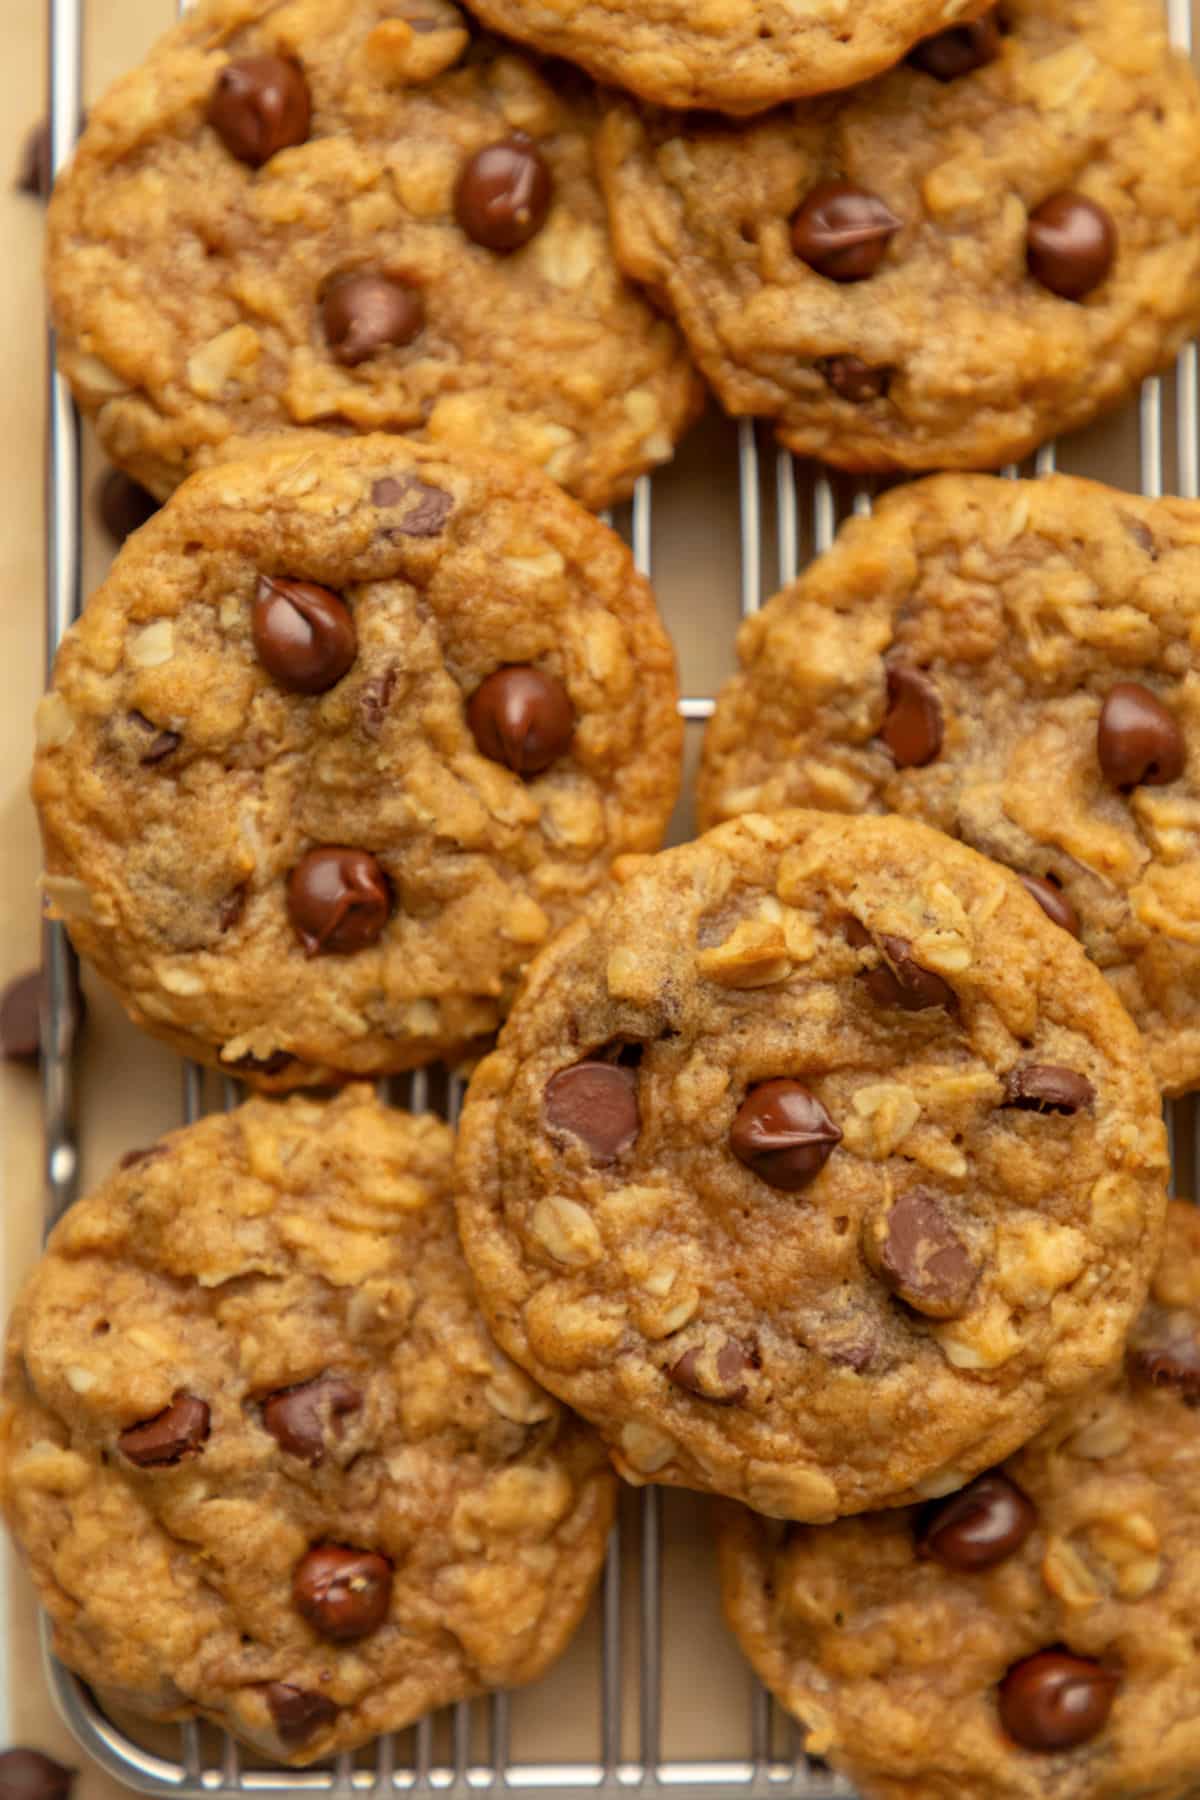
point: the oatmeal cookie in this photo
(1014, 663)
(943, 267)
(348, 731)
(355, 215)
(263, 1459)
(1034, 1634)
(815, 1166)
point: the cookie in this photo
(264, 1462)
(1031, 1635)
(738, 57)
(815, 1166)
(1013, 663)
(357, 217)
(988, 245)
(348, 731)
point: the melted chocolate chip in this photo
(1053, 902)
(178, 1431)
(503, 194)
(842, 231)
(338, 901)
(298, 1714)
(163, 744)
(960, 50)
(1047, 1088)
(259, 106)
(901, 981)
(426, 508)
(921, 1258)
(597, 1103)
(854, 380)
(783, 1133)
(912, 725)
(1165, 1353)
(1054, 1701)
(344, 1594)
(713, 1374)
(303, 1419)
(31, 1775)
(123, 504)
(374, 698)
(1139, 743)
(364, 314)
(979, 1527)
(304, 635)
(523, 718)
(1070, 245)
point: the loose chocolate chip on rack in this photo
(1165, 1353)
(33, 170)
(364, 314)
(960, 50)
(31, 1775)
(901, 981)
(426, 508)
(854, 379)
(259, 106)
(978, 1527)
(20, 1018)
(1054, 1701)
(1138, 741)
(1069, 245)
(523, 718)
(1047, 1088)
(842, 231)
(1053, 902)
(918, 1254)
(503, 193)
(178, 1431)
(164, 743)
(715, 1376)
(597, 1103)
(302, 1419)
(912, 725)
(123, 504)
(338, 901)
(303, 634)
(344, 1594)
(783, 1133)
(298, 1714)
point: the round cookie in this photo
(738, 58)
(1015, 664)
(1033, 1635)
(356, 217)
(264, 1461)
(815, 1166)
(988, 245)
(347, 732)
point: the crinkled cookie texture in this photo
(894, 1638)
(190, 287)
(948, 349)
(258, 1342)
(738, 56)
(954, 658)
(350, 878)
(816, 1166)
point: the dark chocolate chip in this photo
(523, 718)
(178, 1431)
(1070, 245)
(31, 1775)
(338, 901)
(163, 744)
(901, 981)
(912, 725)
(503, 194)
(1054, 1700)
(1053, 902)
(1164, 1351)
(33, 170)
(344, 1594)
(303, 1419)
(374, 698)
(304, 635)
(426, 508)
(921, 1258)
(1047, 1088)
(259, 106)
(274, 1064)
(597, 1103)
(21, 1018)
(298, 1714)
(978, 1527)
(132, 1158)
(1139, 743)
(960, 50)
(364, 314)
(713, 1374)
(842, 231)
(123, 504)
(783, 1133)
(853, 379)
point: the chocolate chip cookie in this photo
(264, 1461)
(815, 1166)
(986, 246)
(351, 727)
(1030, 1635)
(358, 217)
(1015, 664)
(738, 56)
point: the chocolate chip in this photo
(1047, 1088)
(1139, 743)
(338, 901)
(274, 1064)
(232, 907)
(302, 1419)
(33, 170)
(713, 1374)
(259, 106)
(163, 744)
(21, 1018)
(1164, 1351)
(1054, 1700)
(912, 725)
(303, 634)
(426, 508)
(364, 314)
(1069, 245)
(921, 1258)
(1053, 902)
(132, 1158)
(178, 1431)
(344, 1594)
(503, 194)
(978, 1527)
(782, 1132)
(853, 379)
(374, 698)
(597, 1103)
(123, 505)
(31, 1775)
(901, 981)
(960, 50)
(298, 1714)
(523, 718)
(842, 231)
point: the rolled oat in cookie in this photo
(815, 1165)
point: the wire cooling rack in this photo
(785, 513)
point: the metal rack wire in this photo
(807, 507)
